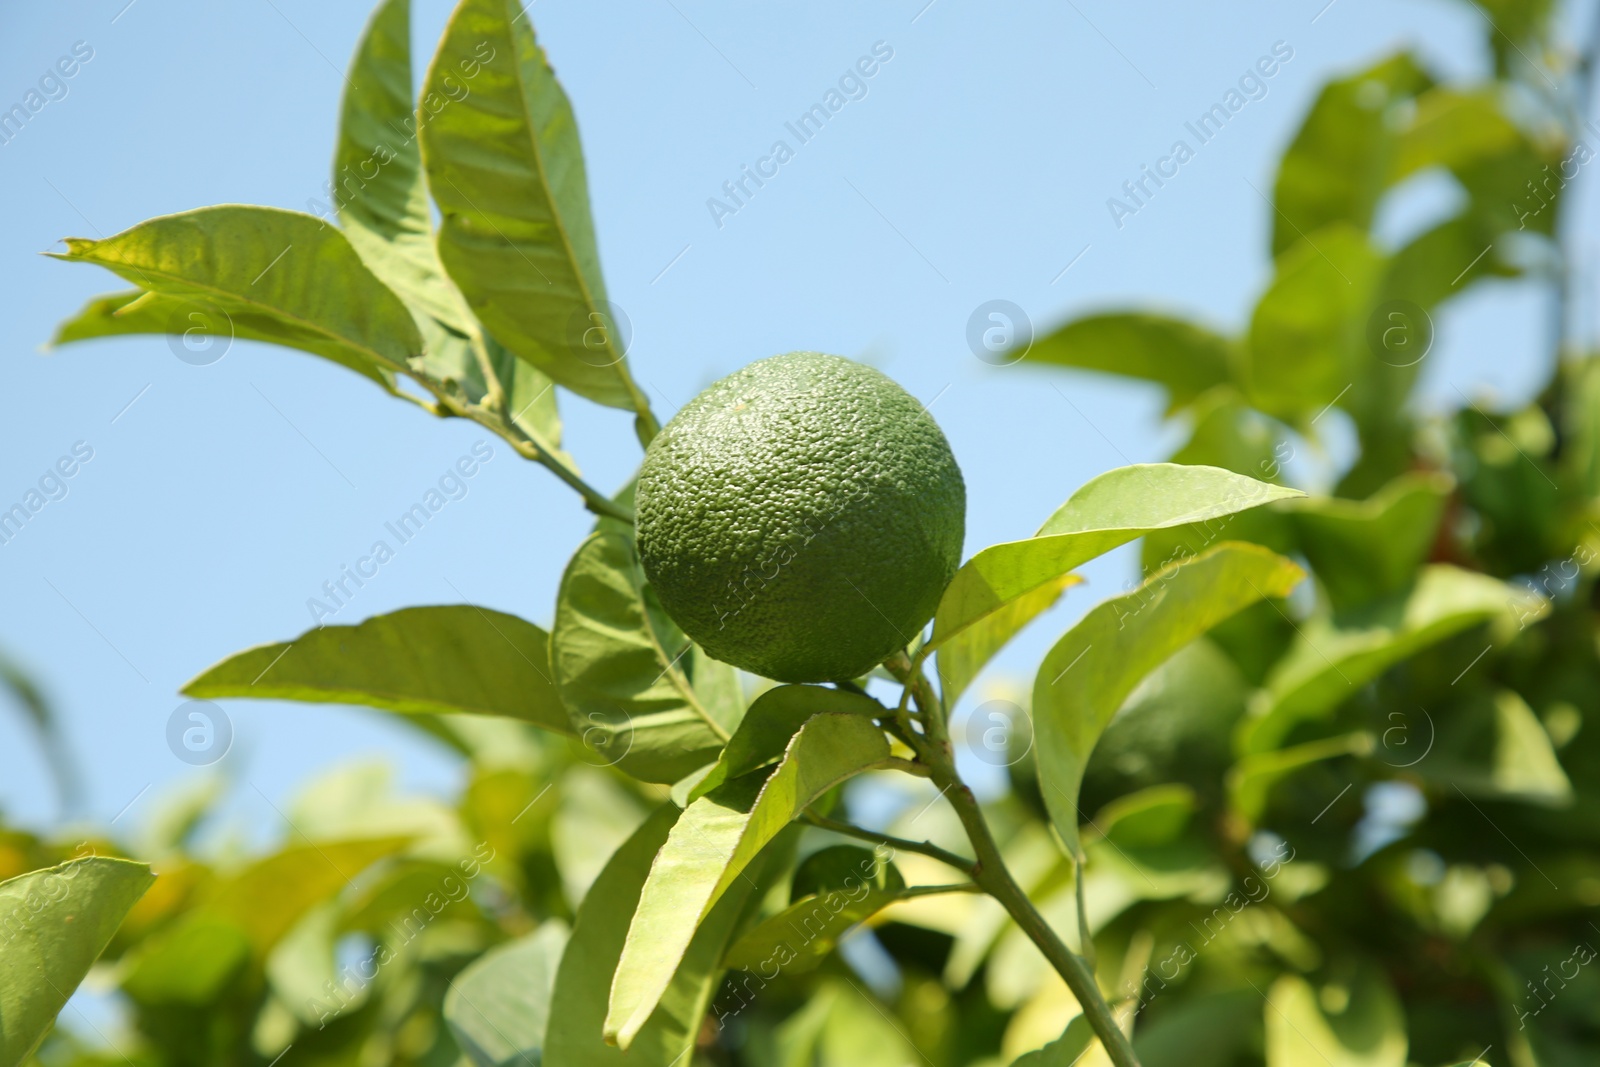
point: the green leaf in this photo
(1493, 745)
(1176, 727)
(530, 399)
(1091, 671)
(1434, 266)
(56, 923)
(1106, 512)
(46, 723)
(457, 658)
(619, 665)
(963, 657)
(266, 898)
(1308, 345)
(1356, 1022)
(378, 189)
(501, 149)
(1185, 358)
(1230, 434)
(1208, 1030)
(772, 720)
(578, 1005)
(718, 837)
(497, 1008)
(1250, 781)
(206, 322)
(718, 686)
(859, 1032)
(303, 960)
(1340, 161)
(1452, 128)
(383, 205)
(1363, 550)
(1517, 25)
(1152, 816)
(1333, 656)
(190, 965)
(1064, 1051)
(834, 889)
(277, 275)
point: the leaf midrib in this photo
(544, 183)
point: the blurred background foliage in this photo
(1364, 821)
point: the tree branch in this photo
(925, 848)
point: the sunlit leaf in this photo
(1333, 656)
(717, 685)
(573, 1035)
(718, 836)
(1064, 1051)
(56, 922)
(457, 658)
(497, 1008)
(1185, 358)
(834, 889)
(303, 961)
(1106, 512)
(621, 668)
(1089, 673)
(1340, 161)
(1362, 550)
(1308, 345)
(265, 899)
(377, 187)
(860, 1032)
(1493, 745)
(1356, 1022)
(501, 149)
(277, 275)
(772, 720)
(1452, 128)
(1250, 781)
(1174, 727)
(965, 655)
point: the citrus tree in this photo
(1351, 825)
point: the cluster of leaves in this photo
(646, 865)
(1445, 670)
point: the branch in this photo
(991, 874)
(528, 447)
(906, 766)
(925, 848)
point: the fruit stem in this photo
(991, 873)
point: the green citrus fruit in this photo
(801, 517)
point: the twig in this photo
(926, 848)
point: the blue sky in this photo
(976, 166)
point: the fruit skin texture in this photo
(801, 517)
